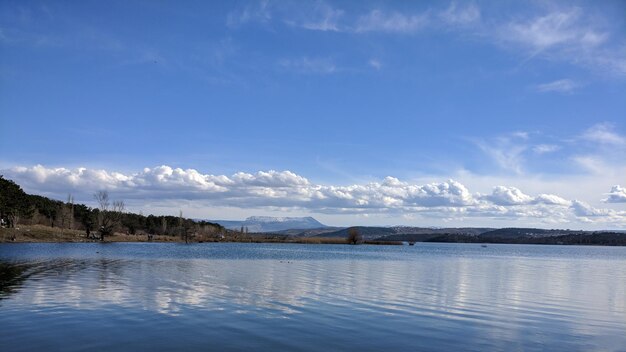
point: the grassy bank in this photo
(40, 233)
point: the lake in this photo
(234, 296)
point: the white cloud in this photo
(565, 34)
(551, 199)
(559, 86)
(558, 28)
(459, 15)
(591, 163)
(286, 190)
(507, 151)
(603, 134)
(502, 195)
(375, 64)
(520, 134)
(589, 214)
(617, 195)
(309, 65)
(602, 153)
(545, 148)
(324, 18)
(392, 22)
(260, 11)
(585, 210)
(317, 16)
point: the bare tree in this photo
(70, 201)
(163, 225)
(67, 213)
(354, 237)
(109, 214)
(184, 230)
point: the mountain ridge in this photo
(272, 224)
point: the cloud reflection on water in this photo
(501, 298)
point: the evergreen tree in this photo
(14, 202)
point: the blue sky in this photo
(164, 104)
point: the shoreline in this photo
(45, 234)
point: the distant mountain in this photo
(308, 232)
(272, 224)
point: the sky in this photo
(421, 113)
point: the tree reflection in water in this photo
(12, 277)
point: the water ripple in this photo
(293, 297)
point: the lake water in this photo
(226, 296)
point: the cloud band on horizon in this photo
(285, 189)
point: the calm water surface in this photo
(439, 297)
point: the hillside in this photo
(403, 233)
(19, 208)
(308, 232)
(527, 232)
(368, 233)
(473, 231)
(574, 238)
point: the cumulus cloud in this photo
(583, 209)
(287, 190)
(264, 187)
(551, 199)
(588, 213)
(503, 195)
(617, 195)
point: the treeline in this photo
(18, 207)
(589, 238)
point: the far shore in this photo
(46, 234)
